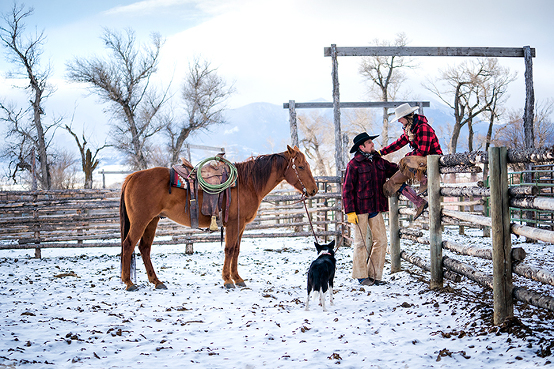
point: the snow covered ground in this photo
(69, 310)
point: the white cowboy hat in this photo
(402, 111)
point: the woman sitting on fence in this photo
(423, 141)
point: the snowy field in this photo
(69, 310)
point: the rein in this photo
(310, 219)
(303, 198)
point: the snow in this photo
(70, 310)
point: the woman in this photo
(423, 141)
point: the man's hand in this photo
(352, 218)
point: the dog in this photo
(322, 273)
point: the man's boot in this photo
(419, 202)
(393, 184)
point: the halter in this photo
(291, 161)
(304, 192)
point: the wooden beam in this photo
(490, 52)
(356, 105)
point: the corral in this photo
(66, 307)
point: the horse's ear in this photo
(292, 151)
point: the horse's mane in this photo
(256, 170)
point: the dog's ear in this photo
(317, 247)
(332, 244)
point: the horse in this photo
(145, 198)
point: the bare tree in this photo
(27, 132)
(385, 77)
(89, 161)
(317, 141)
(123, 81)
(64, 172)
(360, 120)
(495, 94)
(204, 94)
(472, 88)
(512, 135)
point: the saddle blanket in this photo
(179, 182)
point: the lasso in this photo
(216, 188)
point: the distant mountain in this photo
(254, 129)
(264, 128)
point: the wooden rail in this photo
(90, 218)
(505, 260)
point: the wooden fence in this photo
(505, 260)
(90, 218)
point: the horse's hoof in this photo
(241, 284)
(229, 285)
(132, 288)
(161, 286)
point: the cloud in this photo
(231, 131)
(146, 7)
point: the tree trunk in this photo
(45, 179)
(454, 139)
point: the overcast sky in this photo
(273, 50)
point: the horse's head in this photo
(298, 173)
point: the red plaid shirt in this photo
(362, 190)
(425, 141)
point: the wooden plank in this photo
(356, 105)
(416, 260)
(486, 52)
(476, 219)
(534, 233)
(541, 203)
(537, 274)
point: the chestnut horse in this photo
(145, 198)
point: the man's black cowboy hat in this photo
(360, 139)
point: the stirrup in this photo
(213, 224)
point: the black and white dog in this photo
(322, 273)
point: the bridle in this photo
(304, 192)
(291, 161)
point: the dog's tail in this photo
(319, 282)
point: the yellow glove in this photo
(352, 218)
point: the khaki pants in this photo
(369, 255)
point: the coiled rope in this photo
(217, 188)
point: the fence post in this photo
(293, 126)
(501, 236)
(394, 236)
(339, 152)
(435, 229)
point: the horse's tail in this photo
(124, 224)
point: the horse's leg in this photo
(232, 242)
(127, 248)
(145, 246)
(234, 264)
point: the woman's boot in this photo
(419, 202)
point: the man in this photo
(423, 141)
(364, 203)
